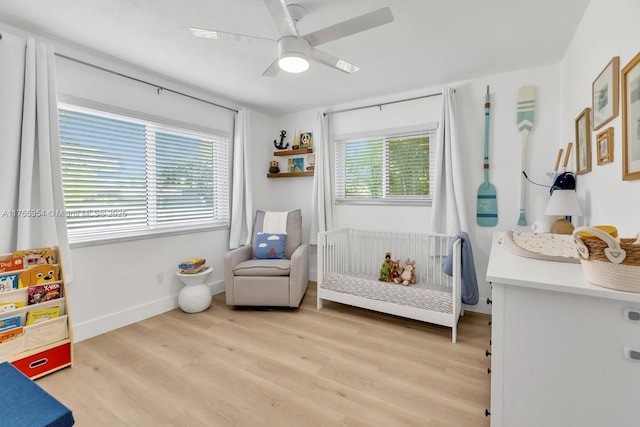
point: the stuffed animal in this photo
(408, 276)
(395, 271)
(385, 269)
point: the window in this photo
(393, 168)
(124, 176)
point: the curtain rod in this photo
(381, 104)
(159, 88)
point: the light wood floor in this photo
(339, 366)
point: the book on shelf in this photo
(9, 306)
(191, 263)
(42, 314)
(9, 282)
(10, 334)
(194, 270)
(10, 322)
(11, 264)
(37, 256)
(41, 293)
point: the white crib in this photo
(349, 263)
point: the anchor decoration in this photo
(281, 145)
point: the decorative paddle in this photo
(487, 211)
(526, 109)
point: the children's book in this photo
(9, 322)
(8, 306)
(41, 293)
(194, 270)
(11, 264)
(9, 282)
(42, 314)
(191, 263)
(37, 256)
(10, 334)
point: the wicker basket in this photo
(609, 262)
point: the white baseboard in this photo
(98, 326)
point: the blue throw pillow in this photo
(270, 246)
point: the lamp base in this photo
(562, 226)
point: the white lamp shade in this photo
(563, 202)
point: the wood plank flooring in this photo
(339, 366)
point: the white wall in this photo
(609, 28)
(505, 153)
(122, 282)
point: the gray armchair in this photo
(268, 282)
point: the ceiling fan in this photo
(295, 50)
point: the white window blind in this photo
(385, 169)
(124, 176)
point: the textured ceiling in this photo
(429, 43)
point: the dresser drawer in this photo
(41, 363)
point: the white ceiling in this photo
(429, 43)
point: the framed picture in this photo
(604, 145)
(296, 164)
(306, 140)
(583, 142)
(631, 119)
(604, 91)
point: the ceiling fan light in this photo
(293, 63)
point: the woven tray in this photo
(607, 261)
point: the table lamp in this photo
(565, 203)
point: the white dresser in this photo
(563, 351)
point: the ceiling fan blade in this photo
(280, 14)
(272, 70)
(332, 61)
(225, 35)
(350, 26)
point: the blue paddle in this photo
(487, 208)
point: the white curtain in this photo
(241, 199)
(448, 213)
(321, 207)
(31, 177)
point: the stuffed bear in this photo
(395, 271)
(385, 269)
(408, 276)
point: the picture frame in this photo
(605, 94)
(631, 119)
(583, 142)
(306, 140)
(296, 164)
(604, 146)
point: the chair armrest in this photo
(231, 259)
(299, 276)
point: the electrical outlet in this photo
(159, 278)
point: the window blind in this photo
(124, 176)
(395, 168)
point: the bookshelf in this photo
(34, 293)
(291, 153)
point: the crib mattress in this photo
(423, 296)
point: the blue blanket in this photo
(469, 281)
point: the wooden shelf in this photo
(293, 152)
(289, 174)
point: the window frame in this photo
(426, 129)
(164, 125)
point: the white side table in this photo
(195, 296)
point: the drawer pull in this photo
(487, 413)
(489, 301)
(632, 354)
(632, 315)
(38, 363)
(487, 353)
(489, 371)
